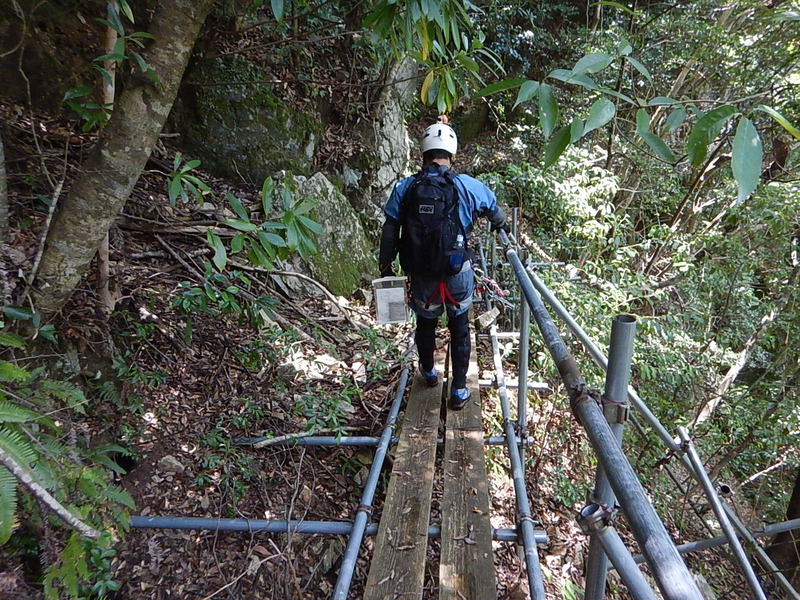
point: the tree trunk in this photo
(115, 163)
(785, 547)
(3, 193)
(109, 88)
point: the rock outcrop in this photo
(345, 255)
(240, 129)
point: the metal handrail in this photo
(671, 573)
(524, 517)
(601, 361)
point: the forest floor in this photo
(186, 382)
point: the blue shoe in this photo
(459, 398)
(431, 377)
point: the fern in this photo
(11, 373)
(117, 494)
(11, 340)
(17, 447)
(67, 392)
(11, 413)
(8, 504)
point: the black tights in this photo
(425, 338)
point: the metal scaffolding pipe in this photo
(721, 540)
(314, 440)
(659, 429)
(615, 408)
(594, 520)
(491, 440)
(722, 518)
(524, 518)
(522, 377)
(305, 527)
(764, 558)
(365, 507)
(671, 573)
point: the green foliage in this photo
(85, 571)
(268, 240)
(221, 294)
(22, 313)
(325, 410)
(704, 133)
(8, 504)
(181, 180)
(441, 36)
(78, 477)
(78, 98)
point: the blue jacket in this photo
(475, 200)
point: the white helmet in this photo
(439, 137)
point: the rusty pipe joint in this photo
(614, 412)
(581, 393)
(594, 518)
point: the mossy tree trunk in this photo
(114, 165)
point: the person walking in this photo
(429, 220)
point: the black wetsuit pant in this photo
(460, 346)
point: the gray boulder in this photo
(345, 256)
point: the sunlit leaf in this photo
(642, 120)
(705, 131)
(272, 239)
(126, 10)
(526, 92)
(240, 225)
(77, 92)
(266, 196)
(237, 243)
(277, 10)
(676, 118)
(658, 146)
(570, 77)
(311, 225)
(17, 312)
(746, 158)
(662, 101)
(592, 63)
(556, 146)
(500, 86)
(426, 87)
(783, 121)
(575, 130)
(548, 109)
(237, 207)
(602, 112)
(468, 62)
(192, 164)
(220, 258)
(640, 67)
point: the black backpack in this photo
(432, 237)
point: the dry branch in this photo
(45, 498)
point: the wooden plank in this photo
(398, 563)
(466, 570)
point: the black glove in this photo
(388, 249)
(504, 226)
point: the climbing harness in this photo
(444, 296)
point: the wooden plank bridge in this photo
(466, 568)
